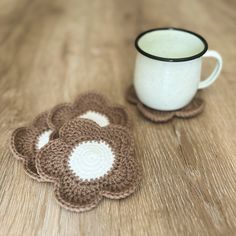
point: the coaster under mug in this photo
(194, 108)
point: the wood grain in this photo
(50, 51)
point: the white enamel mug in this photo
(168, 67)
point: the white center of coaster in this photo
(90, 160)
(99, 118)
(43, 139)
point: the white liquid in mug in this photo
(171, 44)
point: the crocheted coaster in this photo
(88, 162)
(92, 106)
(194, 108)
(27, 141)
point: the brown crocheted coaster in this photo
(27, 141)
(92, 106)
(194, 108)
(88, 162)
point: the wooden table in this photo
(50, 51)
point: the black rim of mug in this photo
(171, 59)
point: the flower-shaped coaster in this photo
(88, 162)
(27, 141)
(92, 106)
(194, 108)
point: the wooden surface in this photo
(50, 51)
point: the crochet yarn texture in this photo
(194, 108)
(92, 106)
(88, 162)
(27, 141)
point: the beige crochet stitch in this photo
(27, 141)
(92, 106)
(88, 162)
(194, 108)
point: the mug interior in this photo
(171, 44)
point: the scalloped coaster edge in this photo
(90, 163)
(195, 107)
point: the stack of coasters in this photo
(194, 108)
(86, 149)
(27, 141)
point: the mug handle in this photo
(219, 62)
